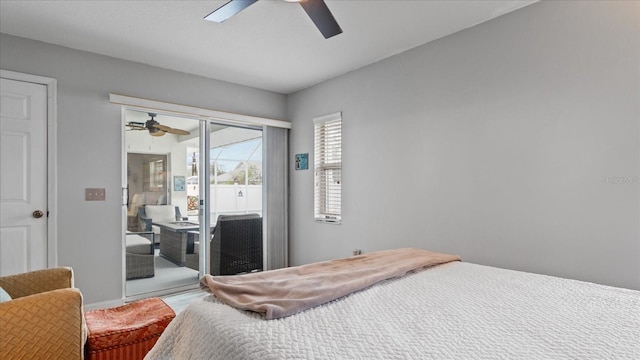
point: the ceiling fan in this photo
(154, 127)
(316, 9)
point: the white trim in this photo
(328, 117)
(204, 212)
(124, 221)
(103, 304)
(52, 157)
(158, 293)
(200, 113)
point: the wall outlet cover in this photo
(95, 194)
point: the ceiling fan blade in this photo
(171, 130)
(135, 126)
(161, 127)
(322, 17)
(228, 10)
(178, 131)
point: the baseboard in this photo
(103, 304)
(119, 302)
(163, 292)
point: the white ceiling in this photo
(271, 45)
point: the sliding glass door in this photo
(179, 182)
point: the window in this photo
(328, 168)
(235, 169)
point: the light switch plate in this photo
(95, 194)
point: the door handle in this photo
(37, 214)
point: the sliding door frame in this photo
(206, 117)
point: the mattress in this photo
(452, 311)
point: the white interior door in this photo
(23, 176)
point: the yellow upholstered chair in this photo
(44, 318)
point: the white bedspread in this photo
(453, 311)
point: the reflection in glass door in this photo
(159, 227)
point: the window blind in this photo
(328, 168)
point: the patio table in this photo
(174, 238)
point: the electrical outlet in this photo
(357, 252)
(95, 194)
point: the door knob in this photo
(38, 214)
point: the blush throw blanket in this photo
(283, 292)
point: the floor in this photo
(169, 278)
(180, 301)
(177, 285)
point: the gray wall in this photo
(89, 143)
(515, 143)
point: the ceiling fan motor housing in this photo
(151, 126)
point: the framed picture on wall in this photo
(302, 161)
(178, 183)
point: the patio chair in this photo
(236, 246)
(140, 258)
(149, 214)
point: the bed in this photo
(453, 310)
